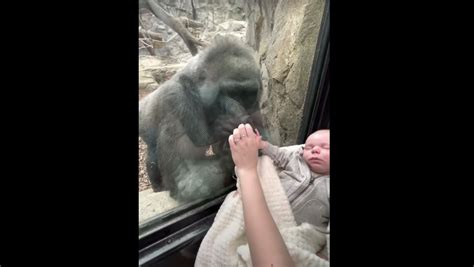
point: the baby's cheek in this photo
(326, 154)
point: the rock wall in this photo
(284, 33)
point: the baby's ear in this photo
(301, 150)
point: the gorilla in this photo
(187, 120)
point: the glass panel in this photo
(204, 67)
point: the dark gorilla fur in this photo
(198, 107)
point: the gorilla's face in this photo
(245, 92)
(233, 76)
(208, 92)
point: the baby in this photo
(305, 177)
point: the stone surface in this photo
(285, 34)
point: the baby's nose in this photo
(316, 149)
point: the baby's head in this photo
(316, 152)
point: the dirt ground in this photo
(143, 182)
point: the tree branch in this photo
(147, 33)
(176, 25)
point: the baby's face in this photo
(316, 152)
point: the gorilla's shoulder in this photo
(164, 94)
(169, 89)
(173, 90)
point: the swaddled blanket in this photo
(225, 243)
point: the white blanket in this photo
(225, 243)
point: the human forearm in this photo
(265, 241)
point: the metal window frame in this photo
(174, 230)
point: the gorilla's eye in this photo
(202, 76)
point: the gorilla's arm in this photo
(187, 149)
(231, 106)
(184, 147)
(231, 114)
(184, 129)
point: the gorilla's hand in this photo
(224, 125)
(220, 147)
